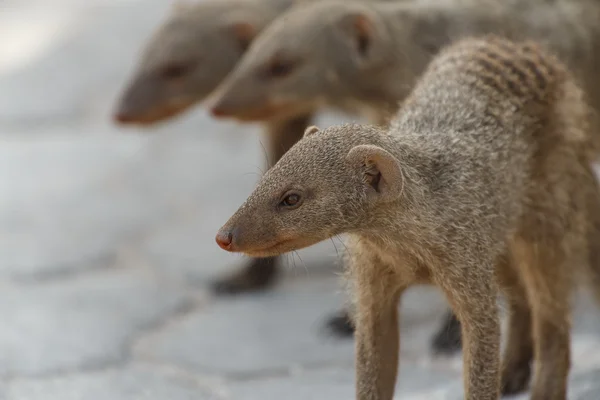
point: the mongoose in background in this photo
(190, 54)
(483, 181)
(364, 58)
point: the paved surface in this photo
(106, 243)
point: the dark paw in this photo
(340, 325)
(256, 276)
(448, 340)
(516, 379)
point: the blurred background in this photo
(107, 241)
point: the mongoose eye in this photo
(291, 200)
(174, 71)
(280, 68)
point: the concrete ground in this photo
(107, 243)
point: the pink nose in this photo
(224, 240)
(122, 118)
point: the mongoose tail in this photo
(481, 182)
(189, 55)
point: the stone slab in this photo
(133, 383)
(279, 330)
(80, 324)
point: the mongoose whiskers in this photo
(482, 181)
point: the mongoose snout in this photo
(133, 105)
(218, 112)
(261, 109)
(223, 109)
(245, 234)
(122, 117)
(224, 239)
(148, 100)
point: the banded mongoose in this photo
(364, 58)
(191, 53)
(482, 181)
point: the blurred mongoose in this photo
(483, 181)
(364, 58)
(191, 53)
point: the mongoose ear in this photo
(361, 29)
(311, 130)
(380, 170)
(244, 32)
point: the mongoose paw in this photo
(448, 339)
(256, 276)
(340, 325)
(515, 379)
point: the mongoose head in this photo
(309, 53)
(188, 56)
(332, 181)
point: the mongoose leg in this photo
(377, 341)
(518, 354)
(594, 239)
(281, 135)
(341, 324)
(257, 275)
(549, 296)
(260, 273)
(448, 339)
(478, 313)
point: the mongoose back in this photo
(365, 57)
(482, 181)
